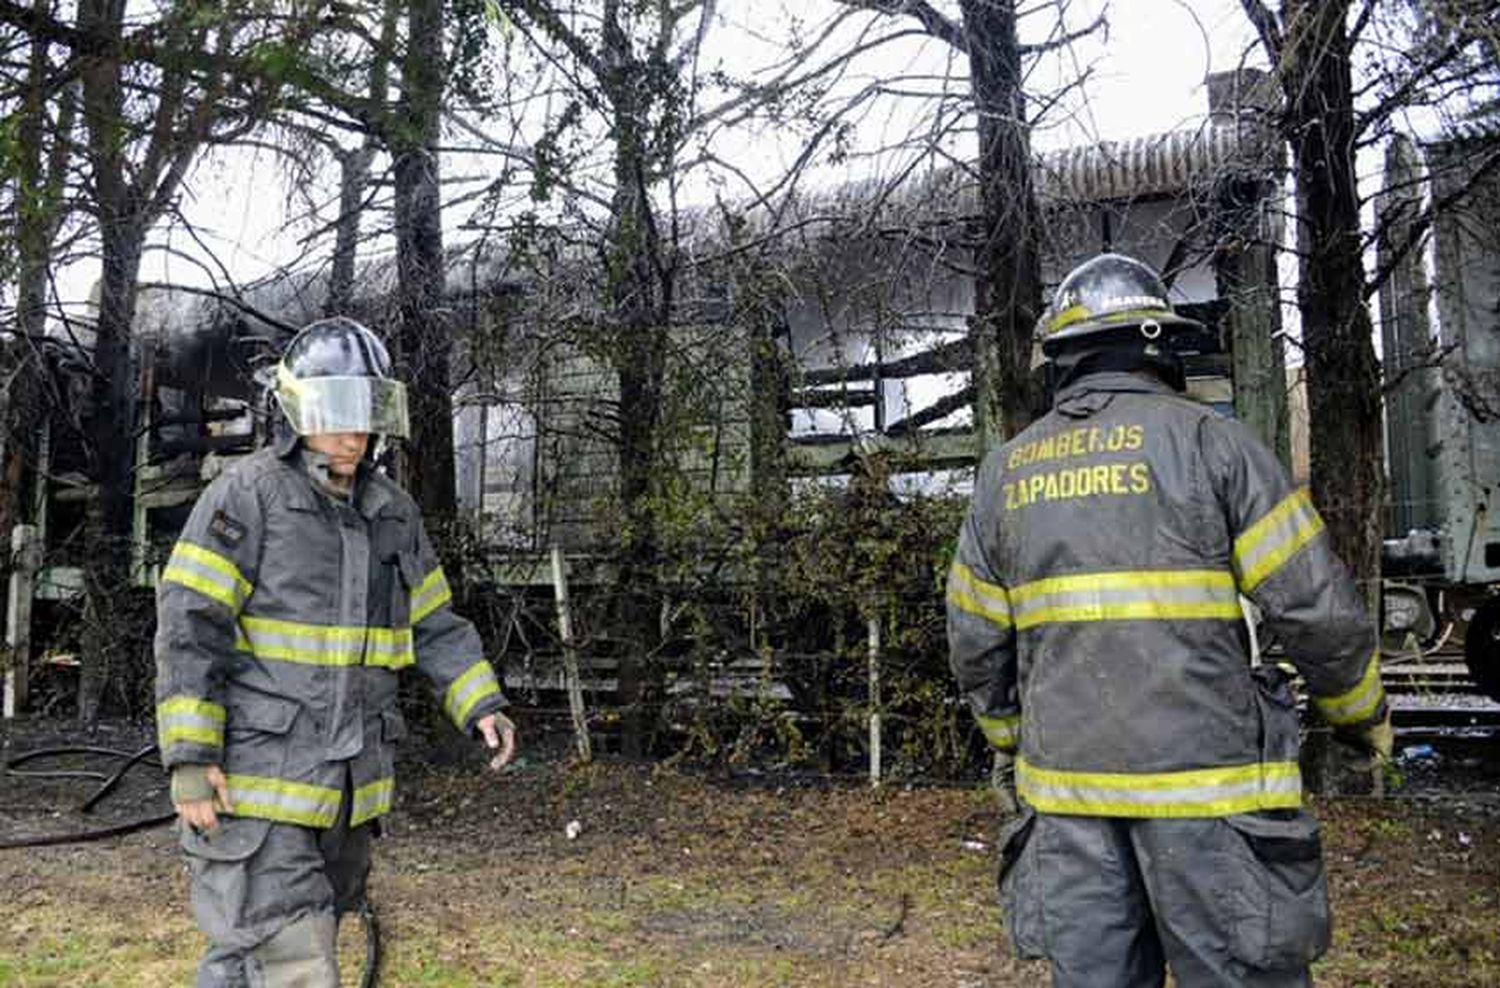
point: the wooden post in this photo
(570, 658)
(1245, 273)
(42, 488)
(874, 670)
(25, 561)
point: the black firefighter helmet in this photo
(335, 376)
(1112, 313)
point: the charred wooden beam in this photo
(816, 398)
(933, 450)
(939, 409)
(941, 359)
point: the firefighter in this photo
(302, 584)
(1095, 627)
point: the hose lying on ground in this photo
(106, 786)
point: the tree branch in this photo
(1424, 221)
(933, 21)
(1266, 27)
(238, 303)
(1398, 97)
(545, 16)
(1101, 21)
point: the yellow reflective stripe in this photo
(325, 645)
(1080, 312)
(168, 736)
(389, 648)
(372, 800)
(1002, 732)
(1127, 596)
(208, 573)
(467, 690)
(206, 709)
(189, 719)
(1358, 703)
(1190, 793)
(1068, 316)
(432, 593)
(969, 593)
(1262, 548)
(288, 802)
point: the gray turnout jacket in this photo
(1094, 614)
(283, 617)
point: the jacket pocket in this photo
(235, 839)
(1020, 890)
(1277, 859)
(257, 739)
(261, 713)
(222, 870)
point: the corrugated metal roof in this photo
(1158, 164)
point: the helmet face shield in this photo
(316, 405)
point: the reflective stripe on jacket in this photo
(283, 616)
(1094, 615)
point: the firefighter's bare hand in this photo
(203, 814)
(499, 734)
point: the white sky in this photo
(1147, 78)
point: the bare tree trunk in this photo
(639, 358)
(639, 305)
(111, 425)
(425, 344)
(1342, 372)
(1008, 289)
(37, 177)
(770, 396)
(354, 175)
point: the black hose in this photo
(107, 785)
(12, 767)
(372, 945)
(73, 749)
(118, 830)
(114, 780)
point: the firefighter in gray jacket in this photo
(302, 583)
(1095, 628)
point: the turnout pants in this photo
(268, 895)
(1239, 900)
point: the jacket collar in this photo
(1114, 382)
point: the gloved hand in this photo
(1003, 782)
(1379, 738)
(199, 794)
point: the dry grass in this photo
(677, 881)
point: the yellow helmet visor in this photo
(316, 405)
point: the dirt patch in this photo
(672, 879)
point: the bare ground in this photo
(674, 879)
